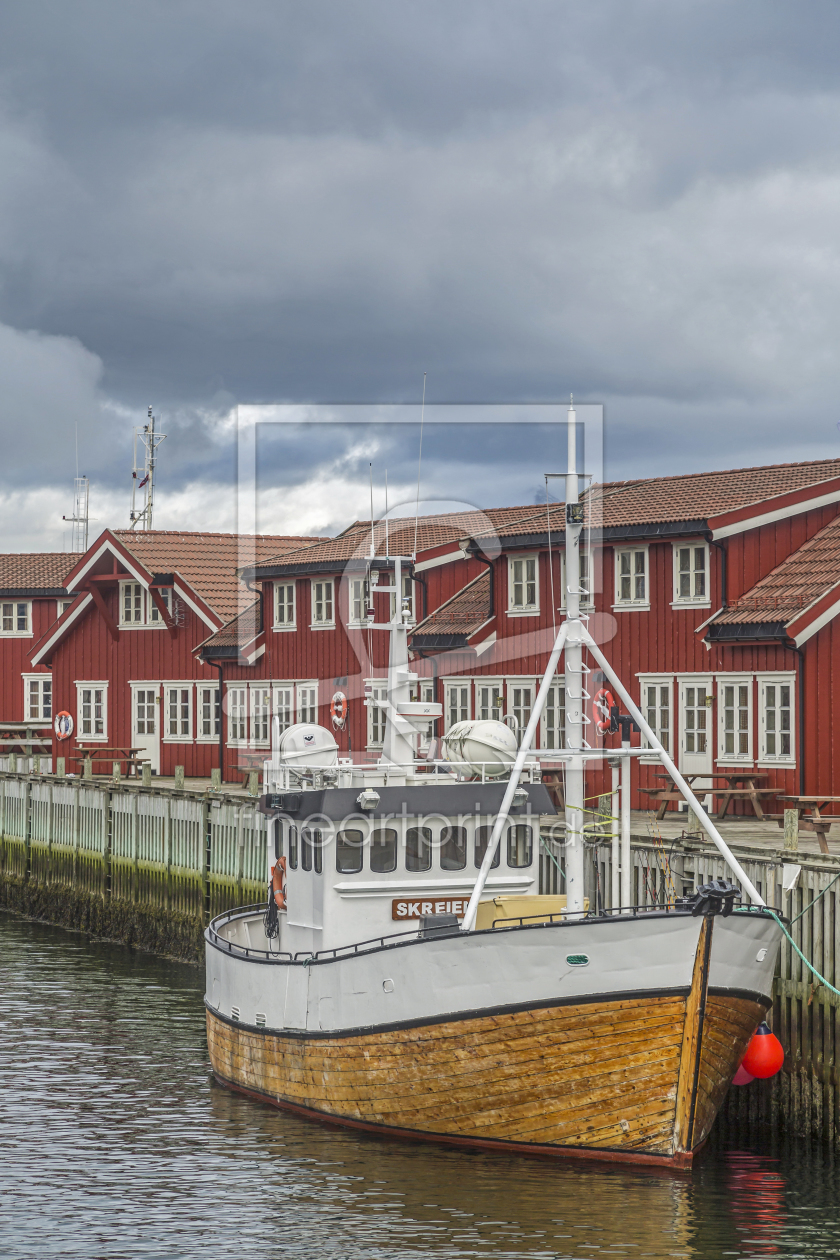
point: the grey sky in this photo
(204, 203)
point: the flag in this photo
(142, 483)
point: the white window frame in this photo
(259, 714)
(165, 716)
(658, 680)
(40, 679)
(215, 718)
(328, 623)
(407, 593)
(553, 692)
(356, 595)
(463, 703)
(588, 600)
(525, 609)
(290, 624)
(739, 679)
(153, 617)
(376, 725)
(283, 704)
(774, 678)
(306, 700)
(92, 685)
(236, 696)
(62, 605)
(15, 605)
(640, 605)
(690, 601)
(150, 618)
(497, 684)
(511, 683)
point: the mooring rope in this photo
(811, 904)
(809, 965)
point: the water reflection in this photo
(114, 1142)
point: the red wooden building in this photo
(33, 595)
(121, 657)
(675, 569)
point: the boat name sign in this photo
(403, 908)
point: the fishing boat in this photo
(406, 977)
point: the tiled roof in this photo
(239, 632)
(207, 561)
(463, 614)
(35, 570)
(793, 585)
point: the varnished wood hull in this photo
(637, 1079)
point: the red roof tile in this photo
(35, 570)
(793, 585)
(463, 614)
(208, 562)
(239, 632)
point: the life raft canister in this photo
(278, 879)
(602, 707)
(63, 725)
(338, 710)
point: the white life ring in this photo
(63, 725)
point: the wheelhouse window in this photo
(311, 850)
(349, 851)
(523, 584)
(38, 691)
(775, 713)
(482, 839)
(735, 719)
(284, 605)
(209, 713)
(16, 618)
(453, 848)
(293, 848)
(418, 848)
(383, 850)
(322, 603)
(691, 566)
(519, 845)
(631, 576)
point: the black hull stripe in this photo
(598, 1154)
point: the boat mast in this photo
(575, 690)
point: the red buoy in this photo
(742, 1076)
(765, 1054)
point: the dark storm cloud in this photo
(203, 203)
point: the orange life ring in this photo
(278, 875)
(338, 710)
(602, 707)
(63, 725)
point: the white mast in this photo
(576, 693)
(150, 440)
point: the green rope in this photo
(816, 899)
(810, 966)
(553, 858)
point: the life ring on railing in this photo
(338, 710)
(63, 725)
(278, 879)
(602, 707)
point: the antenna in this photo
(81, 503)
(419, 463)
(149, 440)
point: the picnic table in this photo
(739, 785)
(24, 737)
(810, 816)
(96, 752)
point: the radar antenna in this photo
(143, 474)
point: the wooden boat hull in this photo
(634, 1078)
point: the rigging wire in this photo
(419, 464)
(550, 565)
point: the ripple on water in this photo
(115, 1142)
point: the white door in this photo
(145, 723)
(696, 724)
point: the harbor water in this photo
(115, 1142)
